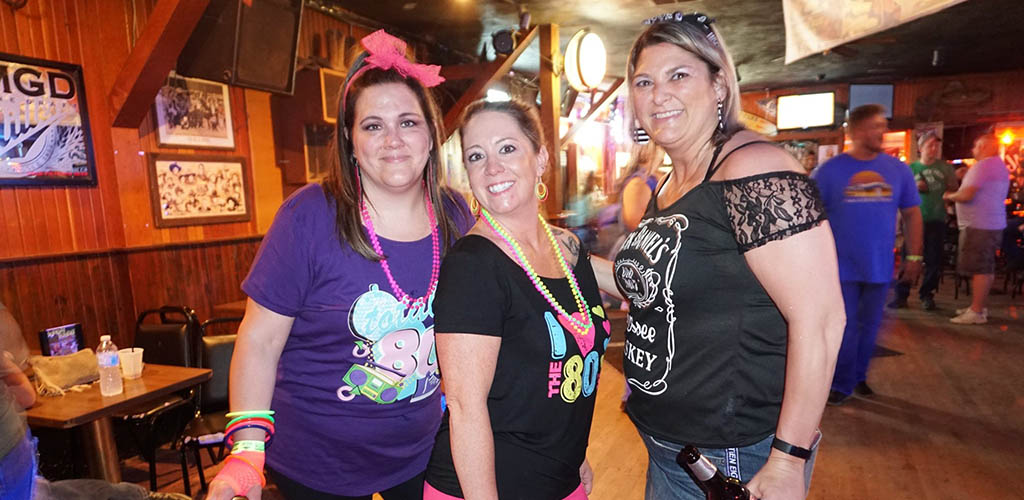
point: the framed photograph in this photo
(187, 190)
(318, 140)
(194, 113)
(44, 124)
(61, 340)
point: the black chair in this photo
(206, 428)
(172, 341)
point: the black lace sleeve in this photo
(771, 206)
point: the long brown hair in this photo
(342, 183)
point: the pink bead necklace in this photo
(435, 266)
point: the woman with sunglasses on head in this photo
(520, 329)
(335, 357)
(736, 314)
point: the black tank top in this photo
(705, 349)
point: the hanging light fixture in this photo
(585, 60)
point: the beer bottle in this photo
(716, 486)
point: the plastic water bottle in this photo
(110, 367)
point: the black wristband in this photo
(790, 449)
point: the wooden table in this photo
(93, 411)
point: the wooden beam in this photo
(550, 116)
(494, 72)
(154, 55)
(465, 71)
(594, 108)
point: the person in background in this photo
(981, 216)
(633, 191)
(17, 451)
(934, 178)
(863, 189)
(639, 183)
(19, 479)
(735, 309)
(335, 355)
(584, 207)
(520, 329)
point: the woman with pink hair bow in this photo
(334, 380)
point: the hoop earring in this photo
(721, 124)
(474, 207)
(541, 190)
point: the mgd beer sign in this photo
(44, 126)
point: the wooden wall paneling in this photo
(23, 201)
(125, 314)
(133, 180)
(1006, 100)
(36, 40)
(103, 49)
(9, 224)
(8, 32)
(61, 221)
(266, 177)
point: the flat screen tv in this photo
(805, 111)
(881, 94)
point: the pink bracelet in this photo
(242, 471)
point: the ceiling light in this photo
(495, 95)
(585, 60)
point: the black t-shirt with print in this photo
(541, 401)
(705, 349)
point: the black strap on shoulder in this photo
(714, 167)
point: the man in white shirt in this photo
(981, 216)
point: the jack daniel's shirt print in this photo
(705, 346)
(641, 277)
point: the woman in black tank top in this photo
(736, 313)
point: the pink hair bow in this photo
(388, 52)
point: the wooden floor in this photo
(947, 421)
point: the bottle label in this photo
(108, 360)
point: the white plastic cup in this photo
(131, 362)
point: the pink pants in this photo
(431, 493)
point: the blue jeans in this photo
(666, 479)
(865, 303)
(18, 470)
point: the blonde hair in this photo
(691, 37)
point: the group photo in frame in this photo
(45, 137)
(194, 113)
(188, 190)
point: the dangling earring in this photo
(721, 124)
(474, 207)
(639, 134)
(541, 190)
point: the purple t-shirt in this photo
(356, 398)
(987, 210)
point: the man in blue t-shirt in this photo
(863, 189)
